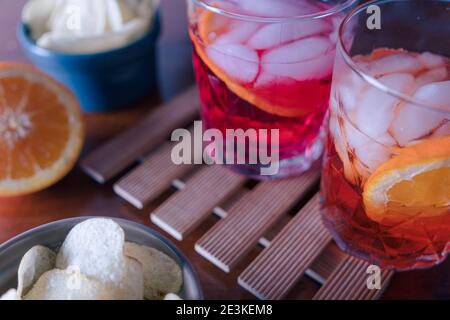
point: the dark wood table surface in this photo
(78, 195)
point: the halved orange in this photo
(209, 24)
(415, 183)
(41, 131)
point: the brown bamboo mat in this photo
(249, 211)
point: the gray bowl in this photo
(53, 234)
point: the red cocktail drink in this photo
(267, 65)
(386, 175)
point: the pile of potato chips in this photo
(95, 263)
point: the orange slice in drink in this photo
(41, 130)
(209, 24)
(378, 53)
(415, 183)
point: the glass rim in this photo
(341, 6)
(367, 77)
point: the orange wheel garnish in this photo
(41, 132)
(415, 183)
(378, 53)
(209, 21)
(208, 24)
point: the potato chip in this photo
(11, 294)
(162, 275)
(34, 263)
(35, 15)
(172, 296)
(95, 263)
(95, 246)
(68, 285)
(132, 285)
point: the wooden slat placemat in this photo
(117, 154)
(274, 272)
(194, 203)
(250, 212)
(230, 239)
(329, 259)
(151, 178)
(349, 282)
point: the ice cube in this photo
(348, 84)
(372, 155)
(316, 68)
(430, 76)
(274, 34)
(303, 59)
(414, 122)
(394, 63)
(240, 32)
(386, 140)
(351, 87)
(278, 8)
(431, 60)
(370, 152)
(349, 97)
(355, 138)
(437, 94)
(376, 108)
(265, 79)
(443, 130)
(300, 50)
(236, 60)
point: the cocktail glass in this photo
(265, 65)
(386, 174)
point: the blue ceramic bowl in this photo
(101, 81)
(53, 234)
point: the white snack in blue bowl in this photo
(92, 263)
(108, 66)
(86, 26)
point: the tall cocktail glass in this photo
(386, 175)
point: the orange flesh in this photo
(426, 193)
(35, 130)
(428, 189)
(48, 134)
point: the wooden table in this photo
(78, 195)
